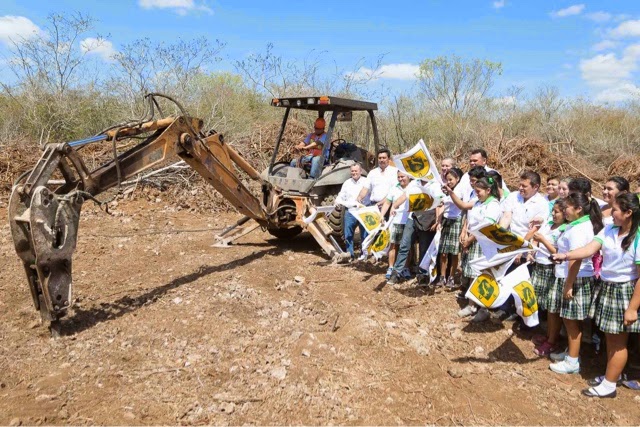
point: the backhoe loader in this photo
(44, 214)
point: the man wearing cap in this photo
(314, 143)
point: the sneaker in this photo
(393, 278)
(450, 284)
(545, 349)
(468, 311)
(481, 316)
(406, 274)
(363, 257)
(461, 294)
(564, 367)
(593, 392)
(558, 356)
(423, 280)
(389, 271)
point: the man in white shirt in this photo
(381, 180)
(524, 206)
(349, 194)
(478, 157)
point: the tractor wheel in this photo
(285, 233)
(336, 219)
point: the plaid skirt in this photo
(610, 300)
(396, 233)
(553, 299)
(450, 236)
(474, 252)
(577, 308)
(542, 278)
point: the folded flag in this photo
(320, 210)
(494, 240)
(418, 163)
(430, 261)
(378, 241)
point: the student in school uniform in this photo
(615, 303)
(486, 208)
(450, 222)
(547, 289)
(577, 278)
(614, 186)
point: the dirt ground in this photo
(166, 329)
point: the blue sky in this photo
(584, 48)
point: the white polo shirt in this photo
(618, 266)
(483, 211)
(380, 182)
(402, 213)
(577, 234)
(351, 189)
(522, 212)
(543, 254)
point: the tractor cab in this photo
(347, 141)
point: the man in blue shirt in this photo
(314, 143)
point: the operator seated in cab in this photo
(314, 143)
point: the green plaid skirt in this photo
(474, 252)
(578, 307)
(450, 236)
(396, 233)
(542, 278)
(610, 300)
(553, 299)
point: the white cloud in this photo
(16, 28)
(627, 29)
(576, 9)
(606, 70)
(505, 101)
(102, 48)
(498, 4)
(388, 71)
(612, 76)
(604, 45)
(623, 92)
(567, 66)
(181, 7)
(599, 16)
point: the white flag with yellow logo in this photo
(498, 244)
(423, 197)
(519, 282)
(487, 292)
(378, 241)
(368, 216)
(418, 163)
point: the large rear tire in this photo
(336, 219)
(285, 233)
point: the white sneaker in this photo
(481, 316)
(363, 257)
(468, 311)
(564, 367)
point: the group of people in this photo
(585, 269)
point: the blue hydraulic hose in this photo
(86, 141)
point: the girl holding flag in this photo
(548, 290)
(450, 220)
(486, 208)
(577, 278)
(615, 303)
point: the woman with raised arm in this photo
(615, 303)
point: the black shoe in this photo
(591, 392)
(393, 279)
(423, 280)
(594, 382)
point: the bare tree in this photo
(455, 87)
(53, 61)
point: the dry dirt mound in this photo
(168, 330)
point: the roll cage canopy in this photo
(324, 103)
